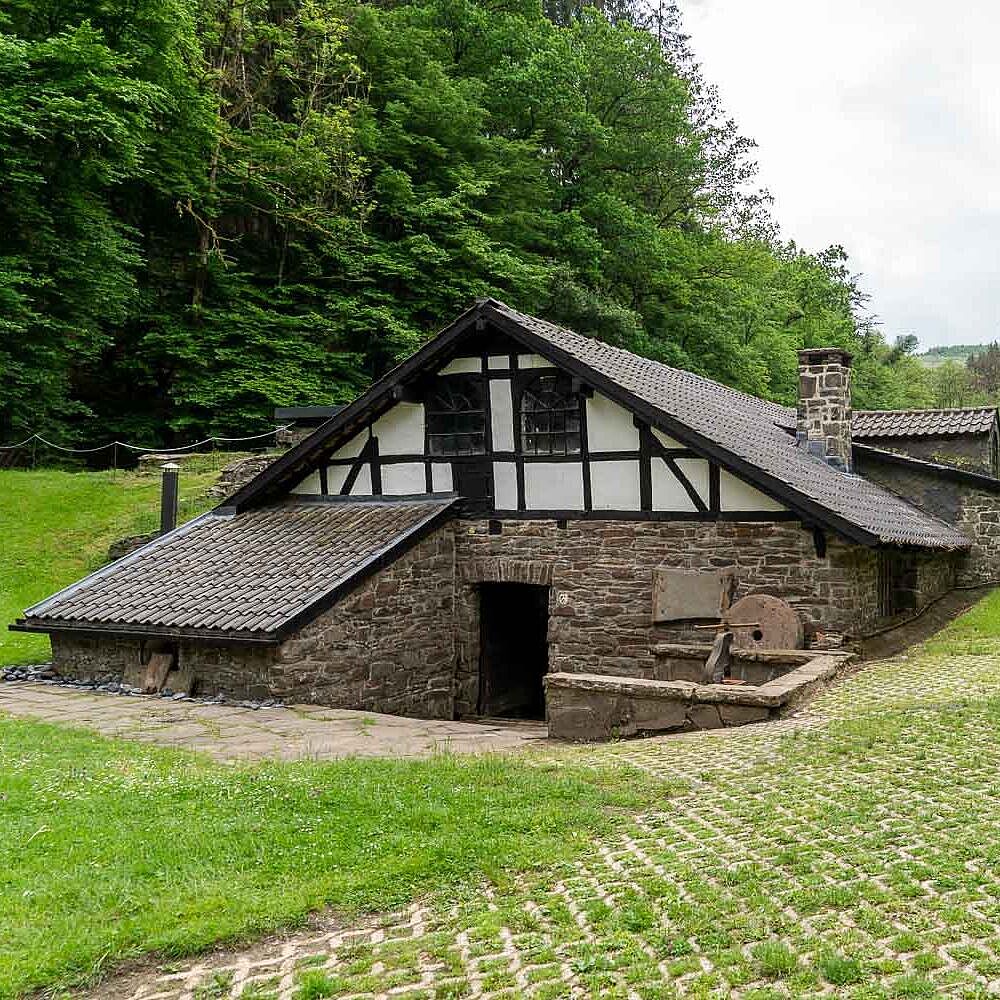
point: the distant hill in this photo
(959, 353)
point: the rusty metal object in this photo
(778, 624)
(718, 661)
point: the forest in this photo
(212, 207)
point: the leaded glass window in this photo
(550, 417)
(456, 416)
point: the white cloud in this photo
(878, 125)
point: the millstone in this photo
(778, 625)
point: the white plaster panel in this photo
(400, 431)
(533, 361)
(353, 447)
(363, 484)
(310, 486)
(609, 426)
(441, 478)
(665, 439)
(615, 485)
(407, 477)
(505, 486)
(502, 410)
(553, 485)
(459, 366)
(697, 472)
(668, 493)
(734, 494)
(498, 361)
(336, 476)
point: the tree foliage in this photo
(210, 207)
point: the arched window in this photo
(550, 417)
(456, 416)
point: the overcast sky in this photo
(878, 126)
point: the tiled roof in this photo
(754, 432)
(244, 575)
(922, 423)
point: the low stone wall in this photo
(593, 707)
(237, 672)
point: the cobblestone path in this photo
(233, 732)
(854, 852)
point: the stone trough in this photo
(762, 685)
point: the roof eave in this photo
(133, 631)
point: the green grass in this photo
(112, 849)
(57, 526)
(977, 632)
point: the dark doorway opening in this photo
(514, 651)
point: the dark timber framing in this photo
(299, 460)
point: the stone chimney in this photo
(824, 419)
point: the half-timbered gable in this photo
(514, 433)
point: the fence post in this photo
(168, 498)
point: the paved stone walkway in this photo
(849, 852)
(228, 732)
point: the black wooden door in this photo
(514, 650)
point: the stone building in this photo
(965, 438)
(504, 504)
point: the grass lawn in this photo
(57, 526)
(112, 849)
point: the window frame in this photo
(550, 423)
(463, 422)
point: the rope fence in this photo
(9, 452)
(214, 439)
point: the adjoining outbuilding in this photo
(516, 501)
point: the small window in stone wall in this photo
(456, 416)
(896, 583)
(550, 417)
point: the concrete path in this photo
(229, 732)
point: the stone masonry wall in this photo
(601, 579)
(389, 646)
(975, 512)
(235, 671)
(407, 640)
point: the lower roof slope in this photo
(254, 576)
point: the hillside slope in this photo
(58, 525)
